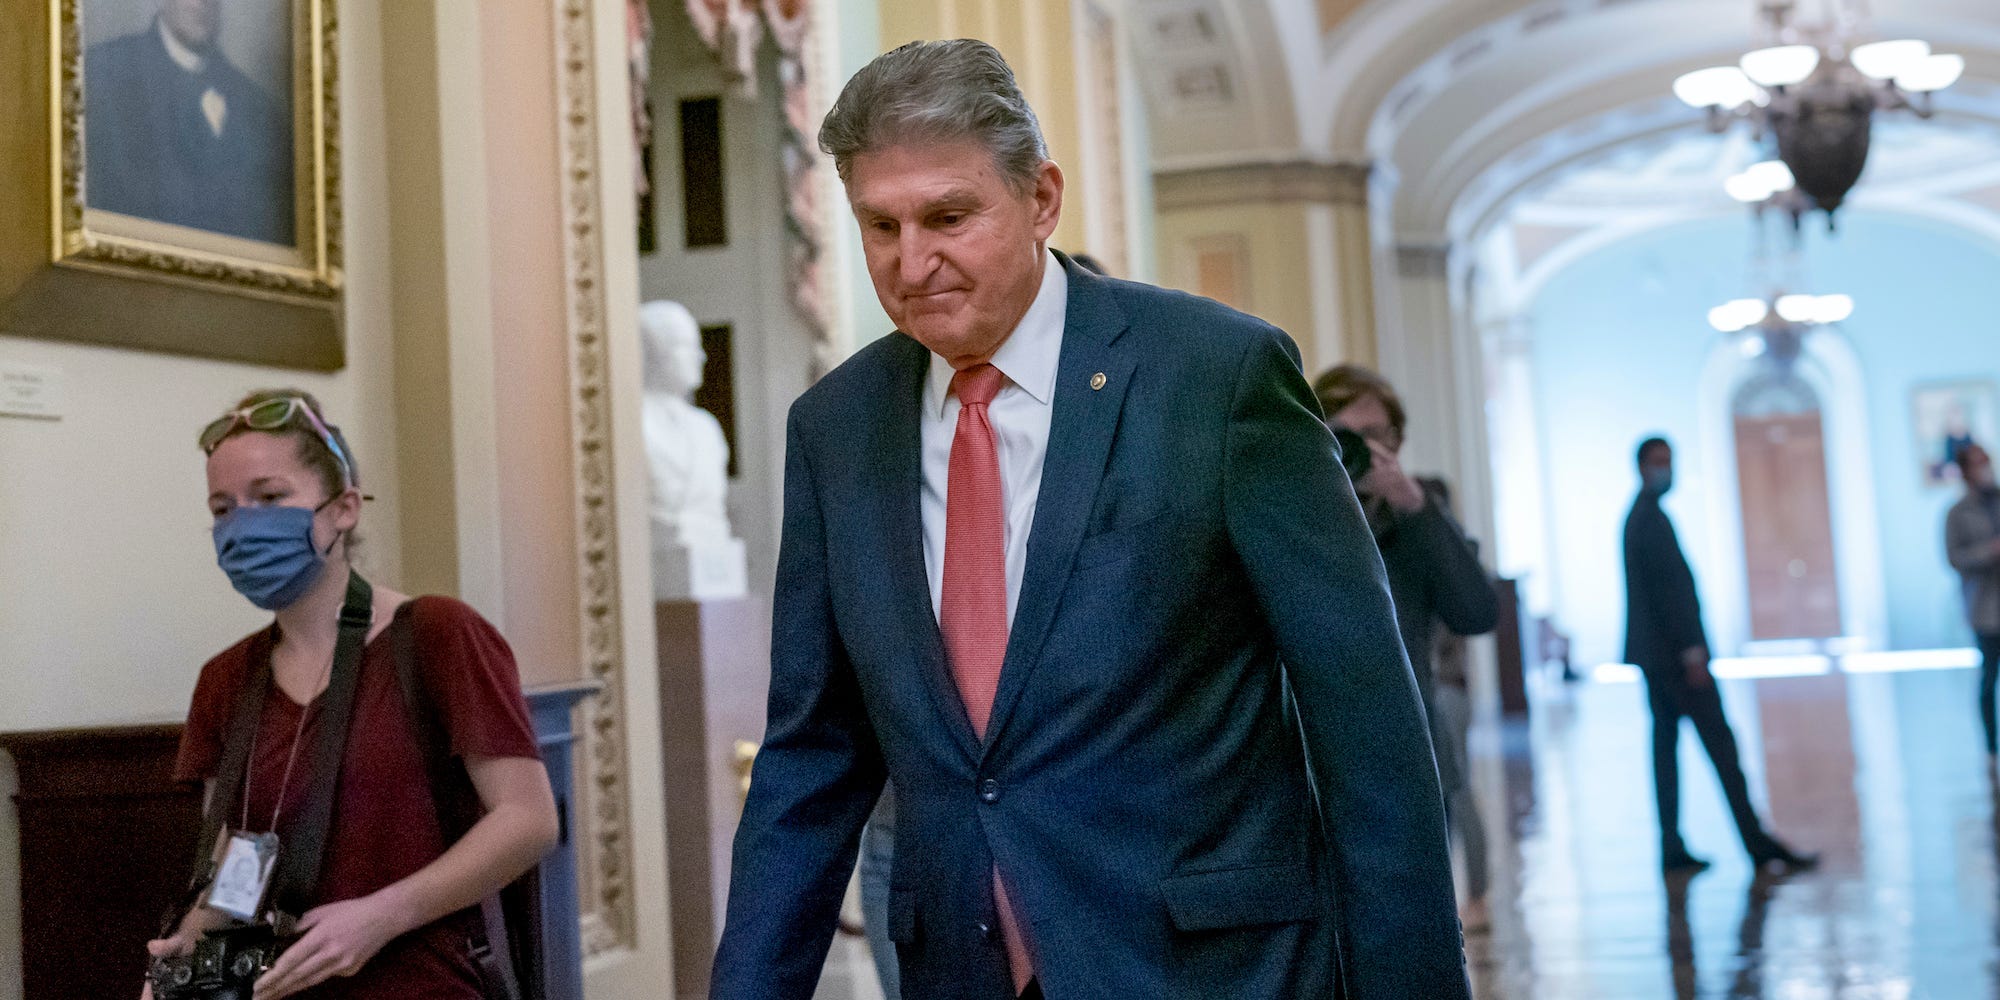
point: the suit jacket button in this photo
(989, 791)
(987, 931)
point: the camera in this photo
(1354, 454)
(224, 965)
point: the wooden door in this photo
(1787, 527)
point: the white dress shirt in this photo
(1020, 417)
(214, 107)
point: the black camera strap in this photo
(299, 859)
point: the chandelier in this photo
(1815, 92)
(1781, 322)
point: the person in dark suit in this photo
(1665, 639)
(1435, 578)
(174, 133)
(1072, 560)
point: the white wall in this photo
(109, 596)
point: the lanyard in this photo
(291, 759)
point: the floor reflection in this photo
(1882, 773)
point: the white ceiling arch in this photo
(1562, 70)
(1433, 93)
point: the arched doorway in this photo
(1781, 478)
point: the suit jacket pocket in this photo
(1251, 896)
(903, 916)
(1115, 543)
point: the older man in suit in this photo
(174, 133)
(1665, 639)
(1073, 560)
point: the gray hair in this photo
(927, 92)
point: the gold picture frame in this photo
(249, 270)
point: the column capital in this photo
(1423, 260)
(1262, 183)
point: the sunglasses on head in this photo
(271, 415)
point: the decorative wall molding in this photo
(608, 912)
(1262, 183)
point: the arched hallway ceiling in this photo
(1434, 93)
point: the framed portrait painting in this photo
(1947, 416)
(191, 183)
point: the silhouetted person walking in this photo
(1665, 639)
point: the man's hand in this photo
(1386, 479)
(1694, 660)
(337, 940)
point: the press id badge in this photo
(244, 874)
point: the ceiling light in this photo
(1832, 308)
(1816, 102)
(1718, 87)
(1772, 175)
(1934, 73)
(1888, 60)
(1737, 315)
(1797, 308)
(1747, 189)
(1780, 66)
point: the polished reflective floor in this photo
(1881, 773)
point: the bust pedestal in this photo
(702, 571)
(715, 672)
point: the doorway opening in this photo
(1781, 477)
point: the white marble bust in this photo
(695, 552)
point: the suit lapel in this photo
(897, 458)
(1080, 434)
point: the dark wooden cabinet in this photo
(107, 845)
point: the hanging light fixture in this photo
(1779, 323)
(1816, 93)
(1738, 315)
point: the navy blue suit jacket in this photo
(1662, 606)
(1207, 772)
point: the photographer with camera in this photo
(334, 866)
(1434, 578)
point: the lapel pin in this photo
(1097, 381)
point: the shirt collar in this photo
(1029, 355)
(187, 58)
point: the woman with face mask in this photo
(392, 911)
(1972, 542)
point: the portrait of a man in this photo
(175, 131)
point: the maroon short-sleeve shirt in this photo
(385, 826)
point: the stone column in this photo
(1305, 232)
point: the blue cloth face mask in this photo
(1659, 480)
(268, 553)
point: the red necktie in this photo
(973, 610)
